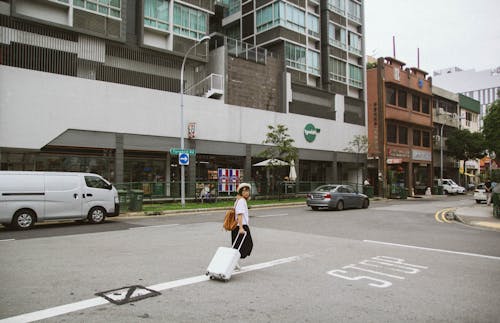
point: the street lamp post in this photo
(183, 178)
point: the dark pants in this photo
(246, 247)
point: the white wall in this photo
(36, 107)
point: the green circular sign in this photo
(310, 132)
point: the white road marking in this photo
(432, 249)
(269, 215)
(155, 226)
(7, 240)
(92, 302)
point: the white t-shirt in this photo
(241, 207)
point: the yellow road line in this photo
(440, 215)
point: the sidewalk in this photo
(479, 215)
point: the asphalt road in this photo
(391, 262)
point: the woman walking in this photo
(242, 217)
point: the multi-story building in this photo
(483, 86)
(94, 86)
(399, 128)
(469, 119)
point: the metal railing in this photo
(214, 83)
(247, 51)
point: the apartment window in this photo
(295, 56)
(392, 131)
(403, 135)
(281, 13)
(313, 25)
(106, 7)
(390, 94)
(354, 43)
(425, 105)
(402, 99)
(156, 14)
(189, 22)
(268, 17)
(336, 36)
(355, 76)
(313, 62)
(337, 70)
(426, 139)
(337, 6)
(415, 102)
(417, 137)
(354, 11)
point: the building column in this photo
(248, 164)
(119, 160)
(335, 171)
(168, 174)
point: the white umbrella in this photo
(292, 176)
(271, 162)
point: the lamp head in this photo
(204, 38)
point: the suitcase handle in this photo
(241, 243)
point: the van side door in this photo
(97, 192)
(63, 196)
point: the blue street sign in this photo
(183, 159)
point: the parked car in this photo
(480, 193)
(29, 197)
(449, 186)
(335, 196)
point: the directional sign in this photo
(177, 151)
(183, 159)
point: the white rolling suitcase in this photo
(225, 259)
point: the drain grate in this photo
(128, 294)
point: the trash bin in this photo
(495, 199)
(136, 197)
(368, 190)
(122, 195)
(440, 190)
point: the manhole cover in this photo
(128, 294)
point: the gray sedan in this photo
(334, 196)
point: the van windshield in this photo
(96, 182)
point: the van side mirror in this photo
(109, 186)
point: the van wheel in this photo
(24, 219)
(96, 215)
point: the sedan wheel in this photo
(97, 215)
(315, 208)
(340, 205)
(366, 203)
(24, 219)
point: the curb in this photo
(458, 218)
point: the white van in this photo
(449, 186)
(29, 197)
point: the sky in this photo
(462, 33)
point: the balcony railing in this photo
(210, 87)
(247, 51)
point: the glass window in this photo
(189, 22)
(425, 105)
(355, 76)
(354, 10)
(354, 43)
(336, 36)
(110, 8)
(95, 182)
(337, 70)
(392, 133)
(313, 25)
(402, 98)
(415, 102)
(313, 62)
(156, 13)
(403, 135)
(417, 137)
(295, 56)
(337, 5)
(426, 141)
(390, 95)
(281, 13)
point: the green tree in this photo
(359, 145)
(465, 145)
(491, 129)
(281, 146)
